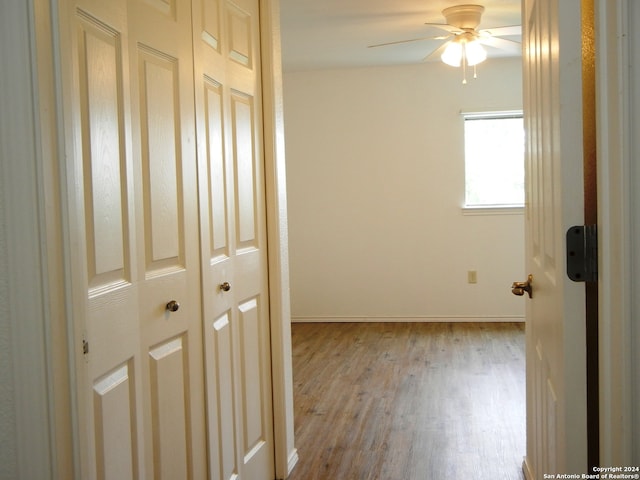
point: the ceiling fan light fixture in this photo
(465, 49)
(474, 53)
(462, 51)
(452, 55)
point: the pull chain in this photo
(464, 64)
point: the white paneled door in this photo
(233, 239)
(556, 369)
(173, 367)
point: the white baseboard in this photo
(526, 470)
(398, 319)
(293, 460)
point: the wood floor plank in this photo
(410, 401)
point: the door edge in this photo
(277, 233)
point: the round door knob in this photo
(173, 306)
(225, 287)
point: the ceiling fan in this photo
(464, 41)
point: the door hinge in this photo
(582, 253)
(85, 346)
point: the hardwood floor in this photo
(409, 401)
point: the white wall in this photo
(25, 431)
(375, 187)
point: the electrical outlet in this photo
(472, 276)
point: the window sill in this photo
(494, 210)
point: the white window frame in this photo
(499, 209)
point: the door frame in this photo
(41, 348)
(40, 217)
(618, 110)
(29, 318)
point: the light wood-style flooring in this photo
(409, 401)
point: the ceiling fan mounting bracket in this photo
(465, 17)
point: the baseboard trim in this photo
(526, 470)
(398, 319)
(293, 460)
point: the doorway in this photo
(376, 186)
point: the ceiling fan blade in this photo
(437, 52)
(503, 44)
(445, 26)
(502, 31)
(441, 37)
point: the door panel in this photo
(169, 408)
(222, 427)
(556, 369)
(168, 239)
(151, 256)
(244, 162)
(101, 217)
(241, 32)
(233, 239)
(133, 217)
(115, 424)
(210, 26)
(161, 160)
(166, 7)
(253, 388)
(215, 159)
(105, 183)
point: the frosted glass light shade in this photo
(471, 51)
(452, 55)
(475, 53)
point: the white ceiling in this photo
(335, 33)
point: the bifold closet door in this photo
(132, 182)
(233, 239)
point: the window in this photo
(494, 160)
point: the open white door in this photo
(556, 370)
